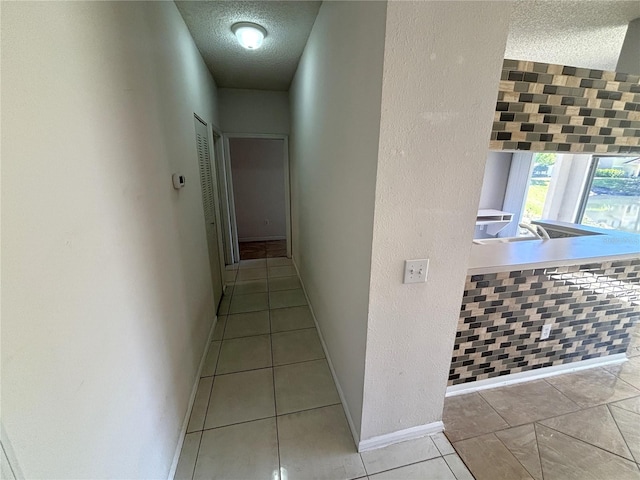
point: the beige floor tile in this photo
(245, 451)
(247, 324)
(323, 431)
(398, 455)
(521, 442)
(302, 386)
(528, 402)
(565, 458)
(230, 276)
(629, 424)
(443, 445)
(457, 466)
(251, 274)
(279, 262)
(593, 387)
(187, 460)
(631, 404)
(241, 397)
(593, 425)
(248, 353)
(284, 283)
(628, 371)
(257, 263)
(435, 469)
(251, 286)
(291, 318)
(287, 298)
(218, 331)
(467, 416)
(199, 410)
(296, 346)
(211, 360)
(488, 459)
(282, 271)
(252, 302)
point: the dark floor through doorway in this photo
(269, 249)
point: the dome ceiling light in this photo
(249, 35)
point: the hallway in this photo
(267, 403)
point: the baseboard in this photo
(261, 239)
(194, 389)
(352, 427)
(400, 436)
(537, 374)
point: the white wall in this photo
(257, 166)
(106, 291)
(253, 111)
(629, 60)
(494, 182)
(335, 107)
(441, 72)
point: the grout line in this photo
(407, 464)
(494, 409)
(513, 455)
(193, 472)
(596, 446)
(273, 381)
(535, 432)
(620, 431)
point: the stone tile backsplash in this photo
(558, 108)
(592, 307)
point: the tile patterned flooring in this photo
(258, 250)
(583, 425)
(267, 407)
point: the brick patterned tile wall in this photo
(557, 108)
(592, 307)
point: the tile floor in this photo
(583, 425)
(257, 250)
(266, 406)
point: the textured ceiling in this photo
(271, 67)
(581, 33)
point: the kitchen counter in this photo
(599, 245)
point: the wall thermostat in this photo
(178, 181)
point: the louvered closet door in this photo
(206, 182)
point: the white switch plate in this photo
(546, 331)
(415, 271)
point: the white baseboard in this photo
(262, 239)
(530, 375)
(400, 436)
(352, 427)
(194, 389)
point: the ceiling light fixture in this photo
(249, 35)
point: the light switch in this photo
(415, 271)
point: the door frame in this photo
(287, 186)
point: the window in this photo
(611, 198)
(599, 191)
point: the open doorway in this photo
(258, 167)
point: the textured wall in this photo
(592, 307)
(253, 111)
(432, 49)
(556, 108)
(335, 120)
(257, 166)
(106, 290)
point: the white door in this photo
(208, 201)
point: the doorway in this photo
(259, 197)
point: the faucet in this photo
(536, 230)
